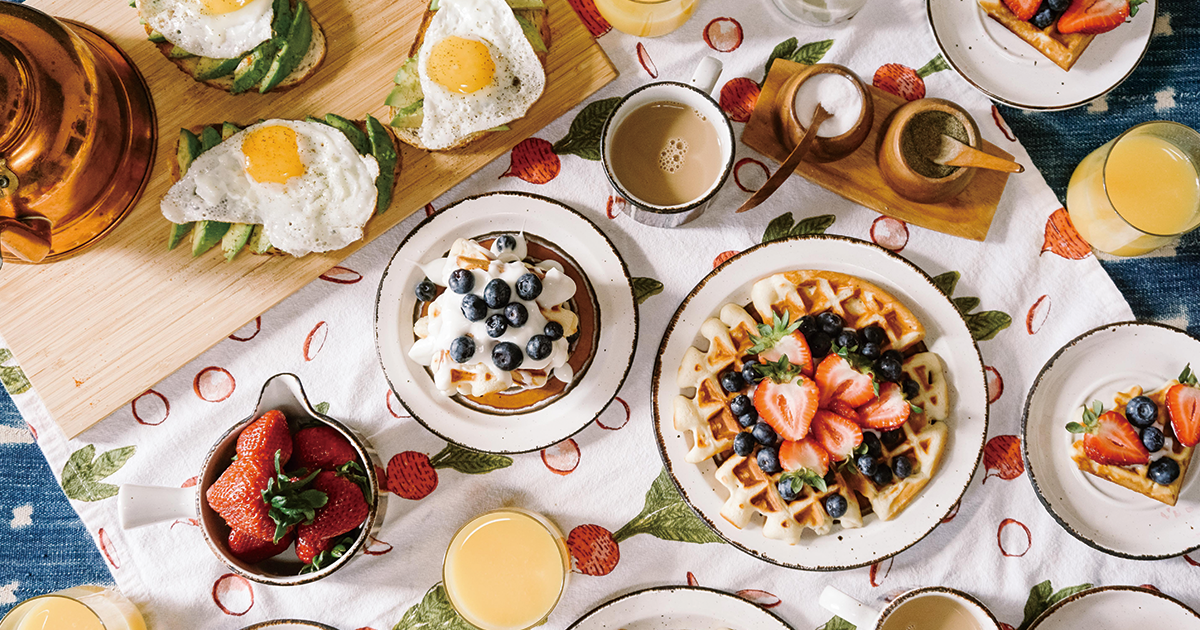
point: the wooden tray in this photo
(857, 178)
(94, 331)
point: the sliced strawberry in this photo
(1023, 9)
(795, 346)
(837, 379)
(1095, 16)
(1183, 407)
(888, 411)
(805, 453)
(842, 409)
(788, 407)
(1115, 442)
(836, 434)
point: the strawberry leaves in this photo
(583, 139)
(1187, 377)
(352, 471)
(667, 517)
(771, 334)
(803, 477)
(983, 325)
(644, 288)
(434, 612)
(468, 462)
(781, 371)
(1133, 6)
(82, 474)
(790, 49)
(330, 555)
(784, 226)
(291, 501)
(1091, 419)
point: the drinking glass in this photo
(102, 609)
(820, 12)
(646, 18)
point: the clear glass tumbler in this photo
(76, 608)
(646, 18)
(820, 12)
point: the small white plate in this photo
(1003, 66)
(1117, 608)
(1094, 366)
(592, 391)
(946, 334)
(675, 607)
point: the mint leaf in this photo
(773, 333)
(1075, 427)
(1187, 377)
(781, 371)
(804, 477)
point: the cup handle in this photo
(138, 506)
(706, 74)
(862, 616)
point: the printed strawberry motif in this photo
(722, 257)
(263, 438)
(593, 550)
(1038, 314)
(214, 384)
(755, 181)
(1010, 550)
(888, 411)
(534, 161)
(889, 233)
(784, 226)
(723, 34)
(995, 384)
(562, 458)
(643, 56)
(1023, 9)
(837, 379)
(759, 598)
(345, 275)
(590, 16)
(1183, 408)
(804, 454)
(152, 413)
(252, 550)
(345, 510)
(262, 502)
(738, 97)
(905, 82)
(1096, 16)
(1063, 239)
(321, 447)
(787, 404)
(1109, 438)
(1000, 124)
(413, 475)
(233, 594)
(1002, 458)
(837, 435)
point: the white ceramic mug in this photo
(696, 94)
(866, 618)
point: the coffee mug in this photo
(697, 95)
(928, 608)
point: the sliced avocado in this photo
(384, 151)
(258, 243)
(292, 51)
(235, 239)
(188, 149)
(531, 33)
(281, 21)
(208, 68)
(206, 235)
(179, 53)
(253, 68)
(433, 5)
(314, 119)
(409, 117)
(228, 129)
(156, 37)
(407, 72)
(209, 138)
(352, 133)
(178, 231)
(525, 4)
(500, 128)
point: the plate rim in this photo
(541, 198)
(667, 588)
(1033, 108)
(1102, 589)
(656, 375)
(1037, 489)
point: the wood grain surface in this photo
(857, 178)
(96, 330)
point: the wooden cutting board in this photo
(857, 178)
(94, 331)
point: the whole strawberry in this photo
(321, 447)
(263, 503)
(308, 549)
(345, 510)
(251, 550)
(264, 437)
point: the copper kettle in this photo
(77, 135)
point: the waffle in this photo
(753, 491)
(1063, 49)
(1134, 477)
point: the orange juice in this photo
(646, 18)
(78, 608)
(1139, 191)
(506, 569)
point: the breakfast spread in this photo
(1145, 442)
(292, 186)
(476, 66)
(503, 322)
(237, 45)
(823, 406)
(306, 487)
(1060, 29)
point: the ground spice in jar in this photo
(922, 140)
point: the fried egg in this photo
(477, 71)
(220, 29)
(304, 182)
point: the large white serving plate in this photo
(677, 607)
(1117, 608)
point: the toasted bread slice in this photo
(1063, 49)
(538, 17)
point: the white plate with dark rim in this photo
(675, 607)
(1004, 67)
(607, 280)
(1117, 608)
(289, 624)
(946, 334)
(1094, 366)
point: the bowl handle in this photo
(138, 506)
(862, 616)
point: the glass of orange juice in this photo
(1139, 191)
(506, 569)
(646, 18)
(76, 608)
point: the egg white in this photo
(188, 25)
(518, 81)
(322, 210)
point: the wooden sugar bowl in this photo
(790, 130)
(904, 162)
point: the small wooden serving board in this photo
(857, 178)
(96, 330)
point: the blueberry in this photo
(1059, 5)
(764, 434)
(830, 323)
(1044, 17)
(872, 334)
(462, 349)
(1152, 439)
(871, 441)
(504, 243)
(497, 293)
(740, 404)
(768, 460)
(507, 356)
(516, 314)
(529, 287)
(835, 505)
(866, 464)
(743, 444)
(461, 281)
(819, 344)
(553, 330)
(732, 381)
(1163, 471)
(539, 347)
(751, 373)
(426, 290)
(496, 325)
(1141, 411)
(809, 325)
(892, 354)
(869, 351)
(748, 419)
(889, 368)
(786, 491)
(911, 388)
(893, 438)
(473, 307)
(882, 476)
(846, 339)
(902, 467)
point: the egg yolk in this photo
(461, 65)
(272, 154)
(221, 7)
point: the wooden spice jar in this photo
(913, 136)
(825, 149)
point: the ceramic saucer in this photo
(1117, 608)
(674, 607)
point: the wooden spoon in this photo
(789, 165)
(955, 153)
